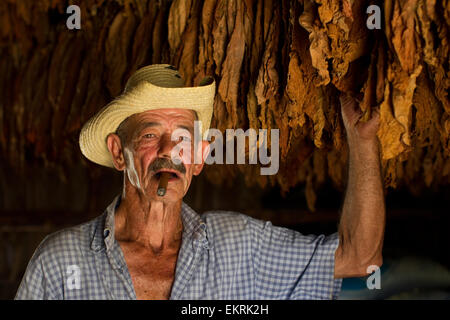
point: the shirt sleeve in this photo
(35, 285)
(290, 265)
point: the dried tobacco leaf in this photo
(278, 65)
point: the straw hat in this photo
(157, 86)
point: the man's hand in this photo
(357, 130)
(361, 227)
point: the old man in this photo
(149, 244)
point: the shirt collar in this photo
(194, 228)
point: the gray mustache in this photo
(165, 163)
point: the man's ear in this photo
(116, 151)
(204, 153)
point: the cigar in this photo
(163, 180)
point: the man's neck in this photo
(156, 225)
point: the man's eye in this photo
(149, 135)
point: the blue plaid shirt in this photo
(223, 255)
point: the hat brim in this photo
(144, 97)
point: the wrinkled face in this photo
(153, 140)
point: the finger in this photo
(345, 99)
(350, 110)
(374, 120)
(376, 113)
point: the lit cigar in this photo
(163, 180)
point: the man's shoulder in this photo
(72, 239)
(232, 221)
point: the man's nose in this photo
(165, 146)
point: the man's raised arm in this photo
(361, 227)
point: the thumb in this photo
(376, 114)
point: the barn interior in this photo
(277, 65)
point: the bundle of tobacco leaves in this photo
(277, 64)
